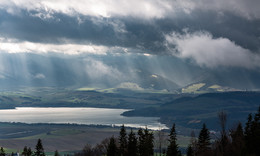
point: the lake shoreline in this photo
(79, 116)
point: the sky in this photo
(206, 35)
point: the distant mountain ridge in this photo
(201, 88)
(149, 73)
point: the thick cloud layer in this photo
(104, 8)
(146, 8)
(211, 52)
(248, 9)
(220, 33)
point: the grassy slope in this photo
(42, 97)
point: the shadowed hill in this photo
(192, 111)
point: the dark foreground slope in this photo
(193, 111)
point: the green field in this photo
(65, 138)
(62, 137)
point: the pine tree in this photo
(25, 150)
(190, 151)
(257, 115)
(148, 142)
(2, 151)
(132, 144)
(56, 153)
(203, 141)
(173, 149)
(112, 148)
(141, 142)
(252, 134)
(248, 125)
(257, 132)
(29, 151)
(39, 149)
(123, 142)
(238, 143)
(248, 133)
(145, 146)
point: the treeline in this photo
(39, 151)
(126, 145)
(236, 142)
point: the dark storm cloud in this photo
(247, 9)
(98, 31)
(216, 30)
(27, 27)
(146, 35)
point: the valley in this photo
(188, 110)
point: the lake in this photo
(87, 116)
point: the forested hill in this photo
(192, 111)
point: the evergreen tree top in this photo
(172, 134)
(173, 148)
(39, 149)
(204, 138)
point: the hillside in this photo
(193, 111)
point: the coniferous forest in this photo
(235, 142)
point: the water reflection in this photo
(96, 116)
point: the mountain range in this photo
(134, 72)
